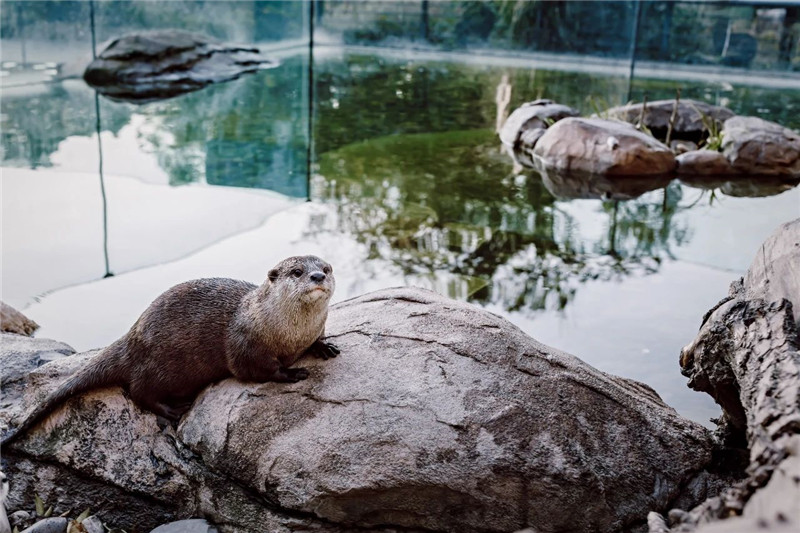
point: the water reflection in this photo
(571, 185)
(746, 186)
(435, 203)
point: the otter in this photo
(202, 331)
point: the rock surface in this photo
(438, 416)
(689, 122)
(704, 163)
(19, 356)
(12, 321)
(153, 65)
(746, 356)
(756, 146)
(603, 147)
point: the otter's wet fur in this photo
(202, 331)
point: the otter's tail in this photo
(102, 371)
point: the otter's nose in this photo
(317, 276)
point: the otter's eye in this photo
(297, 272)
(327, 270)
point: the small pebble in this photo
(48, 525)
(93, 524)
(195, 525)
(18, 518)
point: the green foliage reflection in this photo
(448, 202)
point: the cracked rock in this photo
(437, 416)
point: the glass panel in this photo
(250, 133)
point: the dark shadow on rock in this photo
(154, 65)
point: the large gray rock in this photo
(604, 147)
(691, 121)
(756, 146)
(153, 65)
(437, 416)
(746, 356)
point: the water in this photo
(409, 186)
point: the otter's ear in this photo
(273, 274)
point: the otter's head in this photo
(307, 279)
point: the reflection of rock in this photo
(528, 123)
(746, 356)
(742, 186)
(12, 321)
(153, 65)
(567, 185)
(756, 146)
(605, 147)
(688, 123)
(438, 416)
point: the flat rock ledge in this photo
(154, 65)
(437, 416)
(746, 356)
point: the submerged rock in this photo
(602, 147)
(153, 65)
(527, 124)
(746, 356)
(691, 122)
(437, 416)
(756, 146)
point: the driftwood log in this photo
(746, 356)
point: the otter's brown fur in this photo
(202, 331)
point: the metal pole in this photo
(98, 127)
(309, 137)
(634, 42)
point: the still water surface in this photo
(410, 186)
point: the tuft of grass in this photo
(714, 139)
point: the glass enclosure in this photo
(374, 142)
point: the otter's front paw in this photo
(293, 375)
(324, 350)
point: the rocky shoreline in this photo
(702, 145)
(439, 416)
